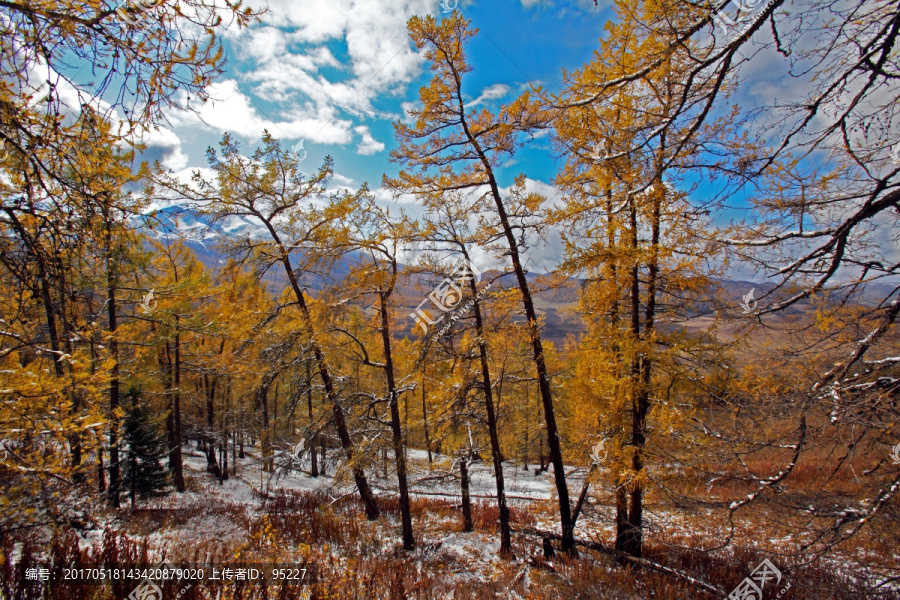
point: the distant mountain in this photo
(556, 297)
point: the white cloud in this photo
(312, 69)
(229, 109)
(265, 43)
(379, 56)
(164, 145)
(407, 108)
(369, 145)
(344, 182)
(491, 92)
(226, 110)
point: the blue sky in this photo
(337, 73)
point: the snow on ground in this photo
(221, 511)
(518, 481)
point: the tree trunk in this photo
(340, 423)
(314, 438)
(101, 472)
(133, 482)
(234, 436)
(174, 390)
(75, 439)
(262, 404)
(623, 527)
(466, 499)
(211, 465)
(425, 420)
(176, 411)
(275, 414)
(643, 376)
(225, 456)
(173, 419)
(640, 375)
(113, 491)
(559, 474)
(223, 425)
(409, 542)
(505, 538)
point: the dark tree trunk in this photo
(559, 474)
(632, 541)
(133, 493)
(225, 456)
(223, 425)
(52, 327)
(340, 422)
(409, 542)
(583, 495)
(211, 465)
(466, 498)
(547, 546)
(505, 537)
(101, 472)
(75, 439)
(173, 419)
(113, 491)
(314, 438)
(623, 527)
(221, 471)
(425, 420)
(262, 404)
(176, 412)
(234, 445)
(642, 374)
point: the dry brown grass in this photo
(358, 559)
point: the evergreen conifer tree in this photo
(143, 474)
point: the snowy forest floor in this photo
(295, 518)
